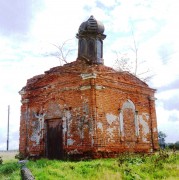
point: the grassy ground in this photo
(159, 166)
(9, 169)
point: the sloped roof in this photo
(78, 67)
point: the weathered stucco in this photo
(143, 119)
(94, 111)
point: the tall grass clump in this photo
(161, 165)
(91, 169)
(10, 170)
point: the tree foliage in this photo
(124, 63)
(63, 51)
(162, 134)
(174, 146)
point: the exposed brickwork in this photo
(101, 112)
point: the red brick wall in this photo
(103, 112)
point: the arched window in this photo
(129, 127)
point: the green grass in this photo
(162, 165)
(9, 169)
(94, 169)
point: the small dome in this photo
(91, 26)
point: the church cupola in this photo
(90, 44)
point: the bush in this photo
(130, 158)
(9, 168)
(177, 145)
(1, 160)
(174, 146)
(20, 156)
(137, 166)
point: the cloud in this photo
(172, 103)
(167, 122)
(172, 85)
(106, 4)
(174, 116)
(165, 51)
(169, 99)
(16, 16)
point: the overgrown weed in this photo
(1, 161)
(10, 170)
(136, 166)
(161, 165)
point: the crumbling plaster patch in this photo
(155, 130)
(38, 126)
(86, 108)
(88, 76)
(111, 118)
(75, 151)
(100, 126)
(85, 87)
(35, 137)
(67, 114)
(98, 87)
(110, 132)
(70, 142)
(67, 122)
(121, 124)
(145, 127)
(128, 104)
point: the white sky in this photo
(28, 28)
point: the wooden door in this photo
(54, 139)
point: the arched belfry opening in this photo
(90, 44)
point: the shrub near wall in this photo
(1, 160)
(10, 170)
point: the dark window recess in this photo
(82, 47)
(91, 48)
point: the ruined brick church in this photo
(85, 109)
